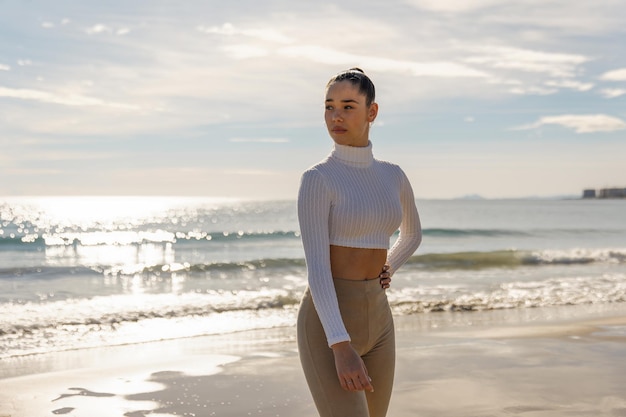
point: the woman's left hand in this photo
(385, 277)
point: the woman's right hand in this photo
(385, 277)
(351, 369)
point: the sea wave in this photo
(610, 288)
(450, 232)
(457, 260)
(111, 310)
(431, 261)
(122, 237)
(49, 238)
(22, 318)
(32, 327)
(514, 258)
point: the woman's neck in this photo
(358, 156)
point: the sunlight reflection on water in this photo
(89, 211)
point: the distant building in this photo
(614, 192)
(590, 193)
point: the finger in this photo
(366, 381)
(367, 384)
(351, 385)
(348, 383)
(344, 384)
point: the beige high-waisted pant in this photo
(367, 317)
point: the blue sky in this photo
(225, 99)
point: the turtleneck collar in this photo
(355, 156)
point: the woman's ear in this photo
(372, 112)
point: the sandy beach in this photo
(566, 361)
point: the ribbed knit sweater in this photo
(352, 199)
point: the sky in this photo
(225, 99)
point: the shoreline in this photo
(541, 362)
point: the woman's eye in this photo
(348, 107)
(329, 107)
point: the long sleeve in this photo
(410, 229)
(314, 205)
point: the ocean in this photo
(84, 272)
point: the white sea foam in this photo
(90, 272)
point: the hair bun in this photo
(356, 76)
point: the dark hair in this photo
(357, 77)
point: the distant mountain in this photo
(552, 197)
(470, 197)
(528, 197)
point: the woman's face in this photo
(347, 114)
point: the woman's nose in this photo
(337, 115)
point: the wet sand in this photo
(567, 361)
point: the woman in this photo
(349, 205)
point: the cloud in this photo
(39, 172)
(265, 34)
(541, 20)
(99, 28)
(526, 60)
(250, 172)
(573, 85)
(453, 6)
(67, 99)
(244, 51)
(71, 155)
(52, 25)
(259, 140)
(533, 90)
(615, 75)
(323, 55)
(580, 123)
(5, 67)
(613, 92)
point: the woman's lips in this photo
(339, 130)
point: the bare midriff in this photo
(356, 263)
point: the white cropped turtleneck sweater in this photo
(351, 199)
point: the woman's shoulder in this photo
(315, 182)
(389, 166)
(318, 168)
(316, 172)
(394, 171)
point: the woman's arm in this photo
(410, 229)
(314, 202)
